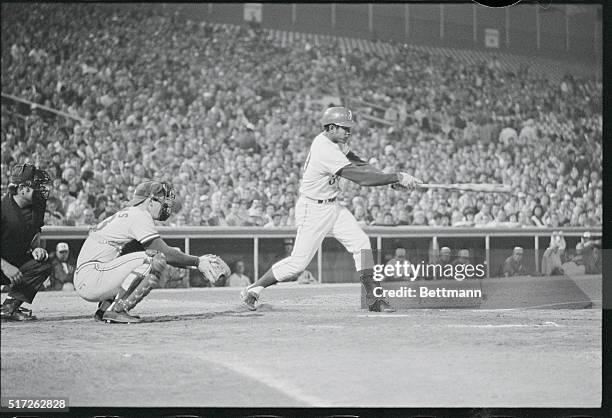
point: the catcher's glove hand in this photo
(213, 268)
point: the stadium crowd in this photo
(227, 116)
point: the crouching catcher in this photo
(119, 282)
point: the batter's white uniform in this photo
(100, 271)
(317, 212)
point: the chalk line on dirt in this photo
(272, 382)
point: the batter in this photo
(318, 213)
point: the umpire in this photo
(25, 264)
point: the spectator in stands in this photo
(551, 261)
(87, 218)
(398, 262)
(238, 278)
(62, 273)
(275, 222)
(536, 217)
(444, 261)
(463, 257)
(100, 207)
(513, 266)
(558, 240)
(445, 256)
(591, 254)
(77, 208)
(52, 215)
(419, 218)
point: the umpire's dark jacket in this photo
(17, 234)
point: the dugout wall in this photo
(258, 247)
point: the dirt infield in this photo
(308, 345)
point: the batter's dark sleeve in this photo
(366, 175)
(354, 158)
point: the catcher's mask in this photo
(30, 176)
(159, 191)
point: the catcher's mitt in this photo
(213, 268)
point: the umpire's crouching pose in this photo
(25, 264)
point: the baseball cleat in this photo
(249, 298)
(112, 317)
(11, 311)
(102, 307)
(381, 305)
(21, 314)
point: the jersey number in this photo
(105, 222)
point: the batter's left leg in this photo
(349, 233)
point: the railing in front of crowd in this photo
(486, 245)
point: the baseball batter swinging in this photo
(120, 282)
(317, 212)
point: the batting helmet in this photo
(340, 116)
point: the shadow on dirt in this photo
(145, 319)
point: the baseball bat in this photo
(464, 187)
(469, 187)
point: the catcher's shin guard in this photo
(133, 298)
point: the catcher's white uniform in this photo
(317, 212)
(100, 270)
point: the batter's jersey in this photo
(325, 158)
(106, 240)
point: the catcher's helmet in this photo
(340, 116)
(158, 190)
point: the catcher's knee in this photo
(157, 261)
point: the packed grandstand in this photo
(226, 113)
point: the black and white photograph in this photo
(237, 209)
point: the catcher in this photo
(119, 282)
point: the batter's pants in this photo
(34, 273)
(97, 281)
(314, 221)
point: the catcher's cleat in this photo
(123, 317)
(11, 311)
(381, 305)
(249, 298)
(102, 307)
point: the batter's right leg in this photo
(304, 249)
(316, 220)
